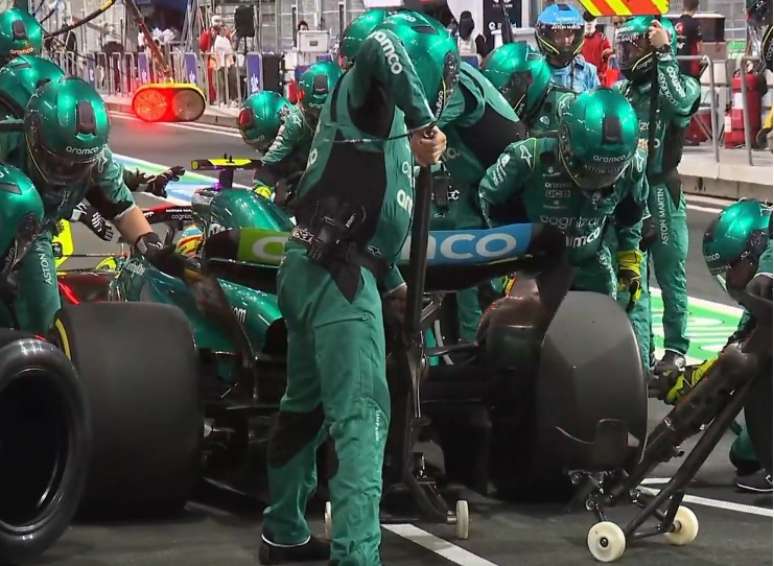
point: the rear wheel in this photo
(140, 368)
(45, 440)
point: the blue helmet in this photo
(559, 33)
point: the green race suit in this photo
(479, 124)
(38, 299)
(678, 97)
(546, 119)
(336, 359)
(289, 151)
(528, 183)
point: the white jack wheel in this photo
(686, 527)
(606, 541)
(328, 521)
(462, 526)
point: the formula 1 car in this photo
(527, 385)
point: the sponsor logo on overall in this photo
(405, 201)
(581, 241)
(45, 267)
(663, 228)
(474, 246)
(135, 268)
(240, 314)
(388, 48)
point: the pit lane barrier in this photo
(228, 78)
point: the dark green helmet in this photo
(432, 50)
(21, 77)
(261, 117)
(21, 209)
(316, 84)
(20, 34)
(734, 242)
(522, 76)
(357, 32)
(597, 138)
(66, 127)
(634, 53)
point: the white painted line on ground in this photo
(205, 128)
(655, 481)
(437, 545)
(720, 504)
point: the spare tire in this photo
(45, 441)
(141, 371)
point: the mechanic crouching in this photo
(577, 181)
(63, 150)
(354, 207)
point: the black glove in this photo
(160, 256)
(157, 185)
(88, 215)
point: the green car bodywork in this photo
(229, 209)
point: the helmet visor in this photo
(591, 176)
(58, 170)
(630, 49)
(451, 72)
(561, 41)
(516, 91)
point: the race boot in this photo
(312, 550)
(671, 362)
(757, 482)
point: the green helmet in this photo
(66, 127)
(522, 76)
(357, 32)
(21, 210)
(734, 242)
(316, 84)
(261, 117)
(634, 52)
(597, 137)
(20, 34)
(431, 49)
(21, 77)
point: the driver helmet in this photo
(431, 49)
(635, 54)
(260, 118)
(560, 33)
(20, 34)
(734, 242)
(522, 76)
(315, 85)
(356, 33)
(21, 77)
(66, 127)
(598, 133)
(759, 22)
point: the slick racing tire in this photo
(140, 368)
(45, 442)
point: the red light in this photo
(150, 104)
(68, 293)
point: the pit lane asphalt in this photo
(221, 528)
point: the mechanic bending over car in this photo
(577, 181)
(353, 208)
(646, 50)
(479, 124)
(523, 77)
(559, 35)
(19, 78)
(737, 249)
(63, 150)
(287, 155)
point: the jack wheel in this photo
(686, 527)
(328, 521)
(462, 525)
(606, 541)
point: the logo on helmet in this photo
(388, 48)
(83, 150)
